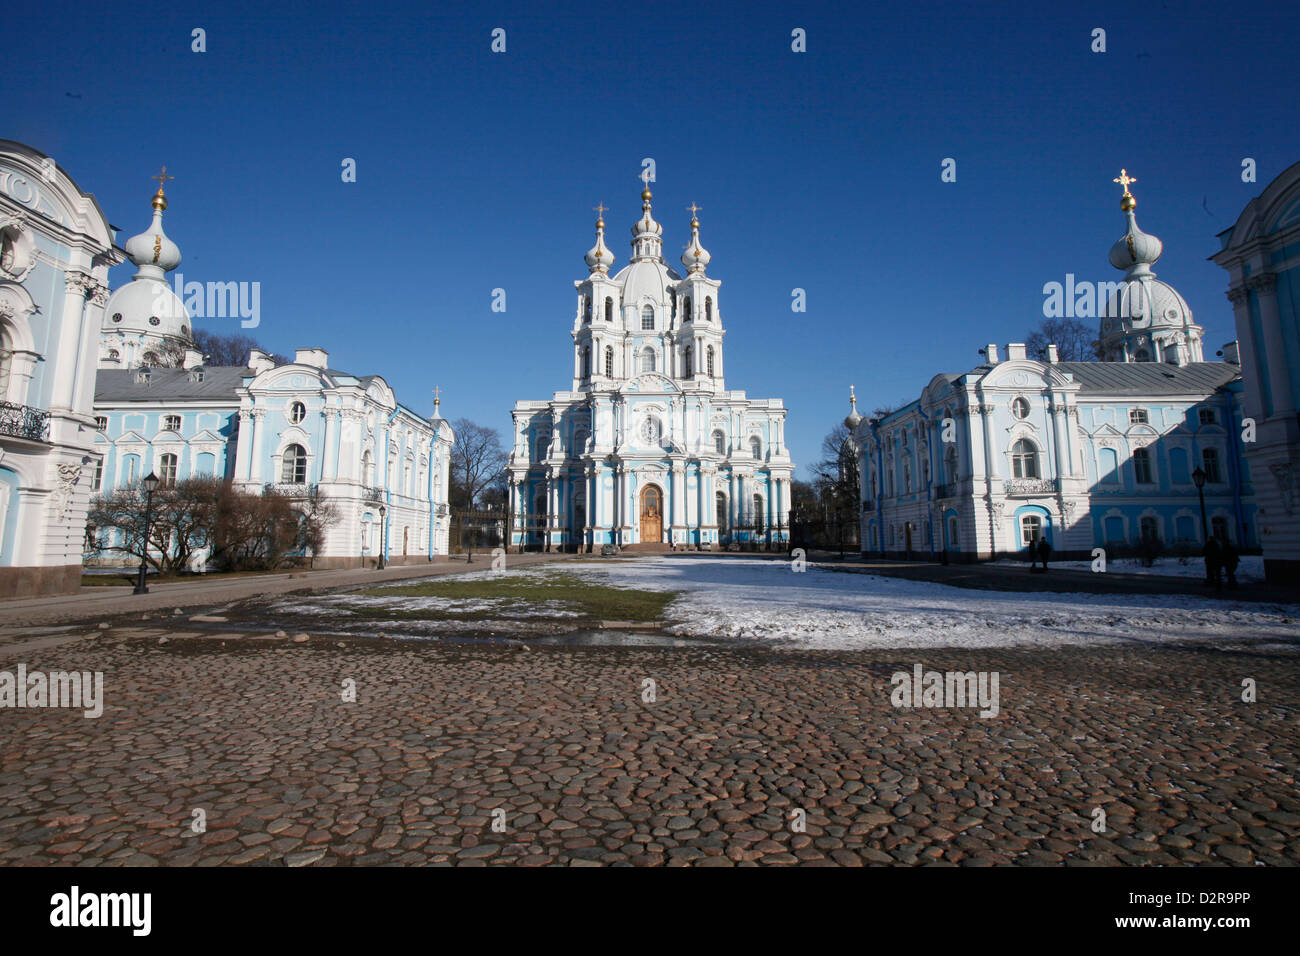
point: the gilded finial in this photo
(1127, 202)
(159, 200)
(599, 209)
(437, 400)
(645, 178)
(853, 399)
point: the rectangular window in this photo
(167, 470)
(1142, 465)
(101, 422)
(1137, 416)
(1207, 416)
(1210, 462)
(171, 423)
(98, 480)
(647, 323)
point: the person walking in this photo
(1230, 561)
(1213, 563)
(1044, 551)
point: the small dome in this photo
(696, 257)
(1135, 251)
(152, 251)
(599, 258)
(853, 419)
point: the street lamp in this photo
(383, 536)
(149, 484)
(1198, 479)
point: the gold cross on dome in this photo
(600, 209)
(1124, 179)
(162, 178)
(645, 177)
(693, 209)
(437, 393)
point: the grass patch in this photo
(593, 602)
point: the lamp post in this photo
(149, 484)
(383, 536)
(1198, 479)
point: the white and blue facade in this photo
(298, 427)
(1261, 253)
(56, 248)
(1085, 454)
(648, 448)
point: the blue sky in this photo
(818, 170)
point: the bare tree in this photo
(1074, 341)
(228, 350)
(477, 460)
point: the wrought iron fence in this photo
(23, 421)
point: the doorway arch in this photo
(652, 514)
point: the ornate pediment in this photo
(650, 382)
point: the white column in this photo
(1279, 383)
(259, 432)
(330, 465)
(63, 364)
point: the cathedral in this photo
(648, 449)
(1112, 454)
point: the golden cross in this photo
(645, 177)
(600, 209)
(694, 209)
(1124, 179)
(162, 178)
(437, 392)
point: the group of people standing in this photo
(1220, 557)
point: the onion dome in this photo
(599, 258)
(646, 233)
(148, 304)
(1135, 251)
(696, 257)
(853, 418)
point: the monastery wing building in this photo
(648, 449)
(1103, 454)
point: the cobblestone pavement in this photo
(558, 745)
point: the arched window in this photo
(758, 510)
(1031, 529)
(586, 362)
(688, 362)
(708, 308)
(686, 309)
(720, 443)
(1020, 408)
(1149, 529)
(950, 464)
(1142, 356)
(648, 360)
(586, 309)
(367, 468)
(708, 361)
(952, 532)
(755, 448)
(580, 440)
(720, 504)
(1108, 464)
(609, 361)
(609, 309)
(167, 470)
(1142, 465)
(293, 467)
(1024, 459)
(647, 318)
(543, 446)
(150, 358)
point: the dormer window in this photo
(143, 376)
(1137, 416)
(117, 316)
(154, 320)
(197, 375)
(171, 423)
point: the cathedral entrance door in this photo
(652, 511)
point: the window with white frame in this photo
(1020, 408)
(719, 443)
(1137, 416)
(1031, 529)
(167, 470)
(647, 318)
(755, 448)
(1207, 416)
(1210, 464)
(1024, 459)
(171, 423)
(293, 466)
(297, 412)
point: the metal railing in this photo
(23, 421)
(1029, 486)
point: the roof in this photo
(1150, 378)
(220, 382)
